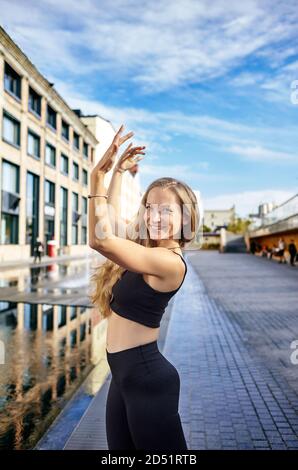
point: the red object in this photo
(52, 248)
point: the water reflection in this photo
(56, 283)
(72, 273)
(49, 349)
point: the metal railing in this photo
(286, 210)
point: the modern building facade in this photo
(131, 193)
(46, 154)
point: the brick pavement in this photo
(229, 337)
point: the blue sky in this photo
(206, 86)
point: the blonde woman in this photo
(132, 289)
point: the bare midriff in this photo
(123, 333)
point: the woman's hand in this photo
(107, 161)
(129, 157)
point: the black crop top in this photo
(135, 299)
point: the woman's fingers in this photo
(126, 137)
(130, 151)
(119, 139)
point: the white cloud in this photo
(247, 202)
(156, 45)
(247, 79)
(184, 172)
(156, 129)
(261, 154)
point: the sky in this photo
(208, 87)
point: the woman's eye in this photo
(166, 209)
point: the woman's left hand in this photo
(107, 161)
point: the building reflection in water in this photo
(49, 350)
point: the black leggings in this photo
(142, 401)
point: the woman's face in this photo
(163, 214)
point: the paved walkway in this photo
(229, 336)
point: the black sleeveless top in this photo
(133, 298)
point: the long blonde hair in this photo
(109, 272)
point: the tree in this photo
(239, 225)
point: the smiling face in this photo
(163, 214)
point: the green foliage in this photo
(239, 226)
(206, 229)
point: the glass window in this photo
(63, 216)
(73, 311)
(33, 144)
(61, 315)
(75, 171)
(85, 177)
(75, 202)
(76, 141)
(11, 129)
(84, 221)
(65, 130)
(49, 193)
(64, 164)
(85, 150)
(9, 229)
(32, 209)
(10, 177)
(75, 218)
(50, 155)
(84, 205)
(9, 221)
(34, 102)
(12, 81)
(51, 117)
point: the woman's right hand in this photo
(129, 158)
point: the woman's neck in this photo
(168, 244)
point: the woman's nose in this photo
(155, 216)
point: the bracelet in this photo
(96, 195)
(120, 170)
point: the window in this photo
(49, 211)
(75, 219)
(64, 164)
(49, 193)
(85, 150)
(85, 177)
(10, 203)
(10, 177)
(75, 171)
(82, 331)
(11, 129)
(51, 117)
(84, 221)
(73, 311)
(34, 102)
(65, 130)
(76, 141)
(32, 209)
(63, 216)
(50, 155)
(61, 315)
(12, 81)
(33, 143)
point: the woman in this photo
(132, 290)
(38, 249)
